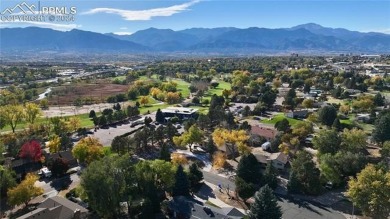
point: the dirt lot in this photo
(88, 93)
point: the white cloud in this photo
(55, 26)
(143, 15)
(122, 33)
(123, 28)
(385, 31)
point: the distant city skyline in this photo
(126, 17)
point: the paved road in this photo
(292, 209)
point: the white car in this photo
(45, 172)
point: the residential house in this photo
(21, 166)
(183, 208)
(66, 155)
(278, 160)
(265, 132)
(298, 114)
(57, 208)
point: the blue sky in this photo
(129, 16)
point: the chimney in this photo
(77, 214)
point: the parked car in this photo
(44, 172)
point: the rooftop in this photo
(181, 110)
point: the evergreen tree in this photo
(210, 146)
(92, 114)
(248, 169)
(243, 189)
(270, 177)
(265, 205)
(293, 185)
(379, 100)
(195, 175)
(290, 99)
(164, 153)
(159, 116)
(337, 125)
(382, 128)
(182, 185)
(65, 142)
(102, 120)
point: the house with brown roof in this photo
(265, 132)
(278, 160)
(57, 208)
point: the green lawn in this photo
(153, 108)
(119, 78)
(182, 87)
(201, 109)
(280, 117)
(218, 90)
(349, 121)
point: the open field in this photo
(67, 94)
(85, 121)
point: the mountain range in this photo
(311, 38)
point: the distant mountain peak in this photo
(308, 26)
(310, 37)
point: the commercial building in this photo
(180, 112)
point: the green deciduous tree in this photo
(192, 136)
(385, 151)
(265, 205)
(282, 125)
(327, 114)
(105, 184)
(353, 140)
(335, 168)
(327, 141)
(370, 191)
(307, 173)
(7, 180)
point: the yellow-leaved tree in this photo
(32, 111)
(219, 160)
(87, 150)
(233, 140)
(54, 144)
(370, 191)
(178, 159)
(25, 191)
(12, 115)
